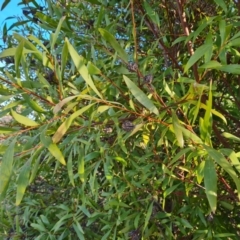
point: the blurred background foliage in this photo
(120, 120)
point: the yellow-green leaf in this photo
(210, 183)
(226, 166)
(66, 124)
(55, 151)
(23, 120)
(81, 167)
(197, 55)
(82, 69)
(177, 130)
(140, 96)
(70, 169)
(23, 181)
(6, 167)
(111, 39)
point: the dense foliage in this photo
(120, 120)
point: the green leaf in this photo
(170, 190)
(197, 55)
(208, 55)
(55, 35)
(70, 169)
(179, 155)
(36, 163)
(234, 43)
(59, 106)
(67, 123)
(191, 136)
(29, 46)
(148, 215)
(232, 156)
(23, 181)
(8, 52)
(64, 58)
(222, 29)
(121, 160)
(5, 3)
(7, 130)
(18, 57)
(227, 205)
(231, 136)
(222, 161)
(151, 13)
(23, 120)
(62, 221)
(110, 38)
(55, 151)
(186, 223)
(210, 183)
(222, 4)
(200, 172)
(81, 165)
(177, 130)
(211, 65)
(38, 41)
(230, 68)
(33, 104)
(39, 227)
(78, 229)
(140, 96)
(93, 69)
(6, 168)
(179, 39)
(82, 69)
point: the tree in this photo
(124, 120)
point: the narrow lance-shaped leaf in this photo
(231, 136)
(210, 183)
(55, 151)
(81, 167)
(197, 55)
(222, 161)
(82, 69)
(5, 3)
(33, 104)
(28, 45)
(55, 35)
(8, 52)
(66, 124)
(18, 56)
(177, 130)
(140, 96)
(59, 106)
(148, 215)
(23, 181)
(6, 168)
(23, 120)
(111, 39)
(70, 169)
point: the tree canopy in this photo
(120, 120)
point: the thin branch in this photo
(183, 19)
(27, 91)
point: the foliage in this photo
(120, 120)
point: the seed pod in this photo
(132, 67)
(108, 129)
(210, 217)
(148, 79)
(128, 126)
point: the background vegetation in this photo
(120, 120)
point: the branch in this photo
(183, 19)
